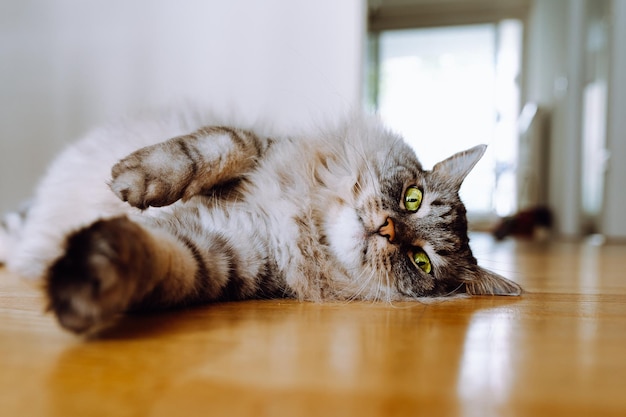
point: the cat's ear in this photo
(485, 282)
(455, 168)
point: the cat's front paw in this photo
(91, 284)
(152, 176)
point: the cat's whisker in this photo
(365, 283)
(454, 291)
(382, 284)
(388, 160)
(361, 153)
(389, 284)
(499, 267)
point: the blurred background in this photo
(541, 81)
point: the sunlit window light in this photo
(447, 89)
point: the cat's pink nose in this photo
(388, 230)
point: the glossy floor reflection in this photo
(558, 350)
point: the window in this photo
(446, 89)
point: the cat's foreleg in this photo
(185, 166)
(106, 268)
(118, 265)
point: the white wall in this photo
(614, 221)
(554, 81)
(555, 78)
(67, 65)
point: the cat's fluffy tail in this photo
(10, 231)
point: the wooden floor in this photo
(560, 350)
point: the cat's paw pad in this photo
(150, 177)
(135, 184)
(89, 286)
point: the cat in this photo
(185, 209)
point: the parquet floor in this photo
(559, 350)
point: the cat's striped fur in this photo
(221, 212)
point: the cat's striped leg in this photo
(117, 265)
(186, 166)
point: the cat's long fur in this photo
(185, 209)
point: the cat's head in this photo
(402, 231)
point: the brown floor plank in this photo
(558, 350)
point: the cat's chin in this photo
(347, 237)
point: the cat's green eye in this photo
(412, 198)
(422, 261)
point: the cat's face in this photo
(402, 233)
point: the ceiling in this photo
(401, 14)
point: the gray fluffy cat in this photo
(184, 209)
